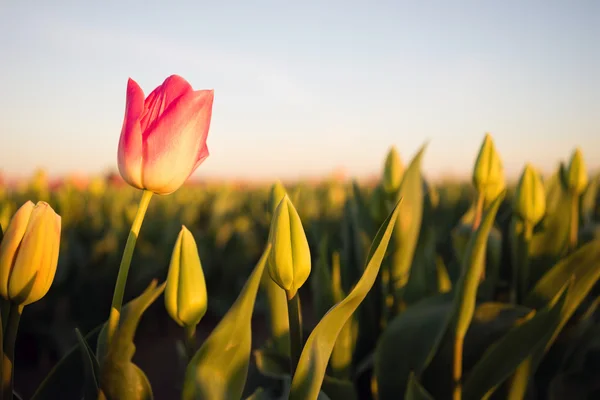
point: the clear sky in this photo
(304, 87)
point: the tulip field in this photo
(153, 286)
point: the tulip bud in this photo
(530, 197)
(488, 174)
(29, 253)
(276, 195)
(577, 177)
(289, 260)
(185, 293)
(392, 171)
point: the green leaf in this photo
(415, 391)
(273, 365)
(473, 267)
(65, 380)
(584, 266)
(317, 350)
(409, 343)
(219, 368)
(506, 354)
(551, 242)
(91, 368)
(119, 377)
(408, 225)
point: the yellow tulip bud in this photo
(577, 176)
(392, 171)
(530, 197)
(488, 174)
(277, 193)
(185, 294)
(289, 261)
(29, 253)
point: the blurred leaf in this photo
(584, 266)
(415, 391)
(473, 267)
(91, 368)
(588, 200)
(275, 366)
(317, 350)
(551, 242)
(65, 380)
(220, 367)
(408, 225)
(409, 343)
(119, 377)
(505, 355)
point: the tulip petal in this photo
(130, 142)
(202, 155)
(35, 255)
(47, 271)
(161, 98)
(172, 146)
(11, 242)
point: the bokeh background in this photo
(312, 93)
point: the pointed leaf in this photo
(317, 350)
(408, 225)
(409, 343)
(506, 354)
(66, 379)
(90, 366)
(473, 266)
(415, 391)
(220, 367)
(119, 377)
(584, 266)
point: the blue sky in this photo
(302, 88)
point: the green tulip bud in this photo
(577, 177)
(29, 253)
(185, 293)
(392, 171)
(277, 193)
(530, 197)
(488, 174)
(289, 260)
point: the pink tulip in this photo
(163, 139)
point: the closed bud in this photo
(276, 195)
(392, 171)
(530, 197)
(289, 261)
(488, 174)
(29, 253)
(185, 293)
(577, 177)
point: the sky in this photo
(304, 88)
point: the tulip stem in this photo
(295, 319)
(190, 341)
(8, 358)
(117, 302)
(478, 211)
(457, 369)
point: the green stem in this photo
(190, 341)
(478, 211)
(457, 368)
(117, 302)
(574, 221)
(295, 318)
(8, 359)
(523, 274)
